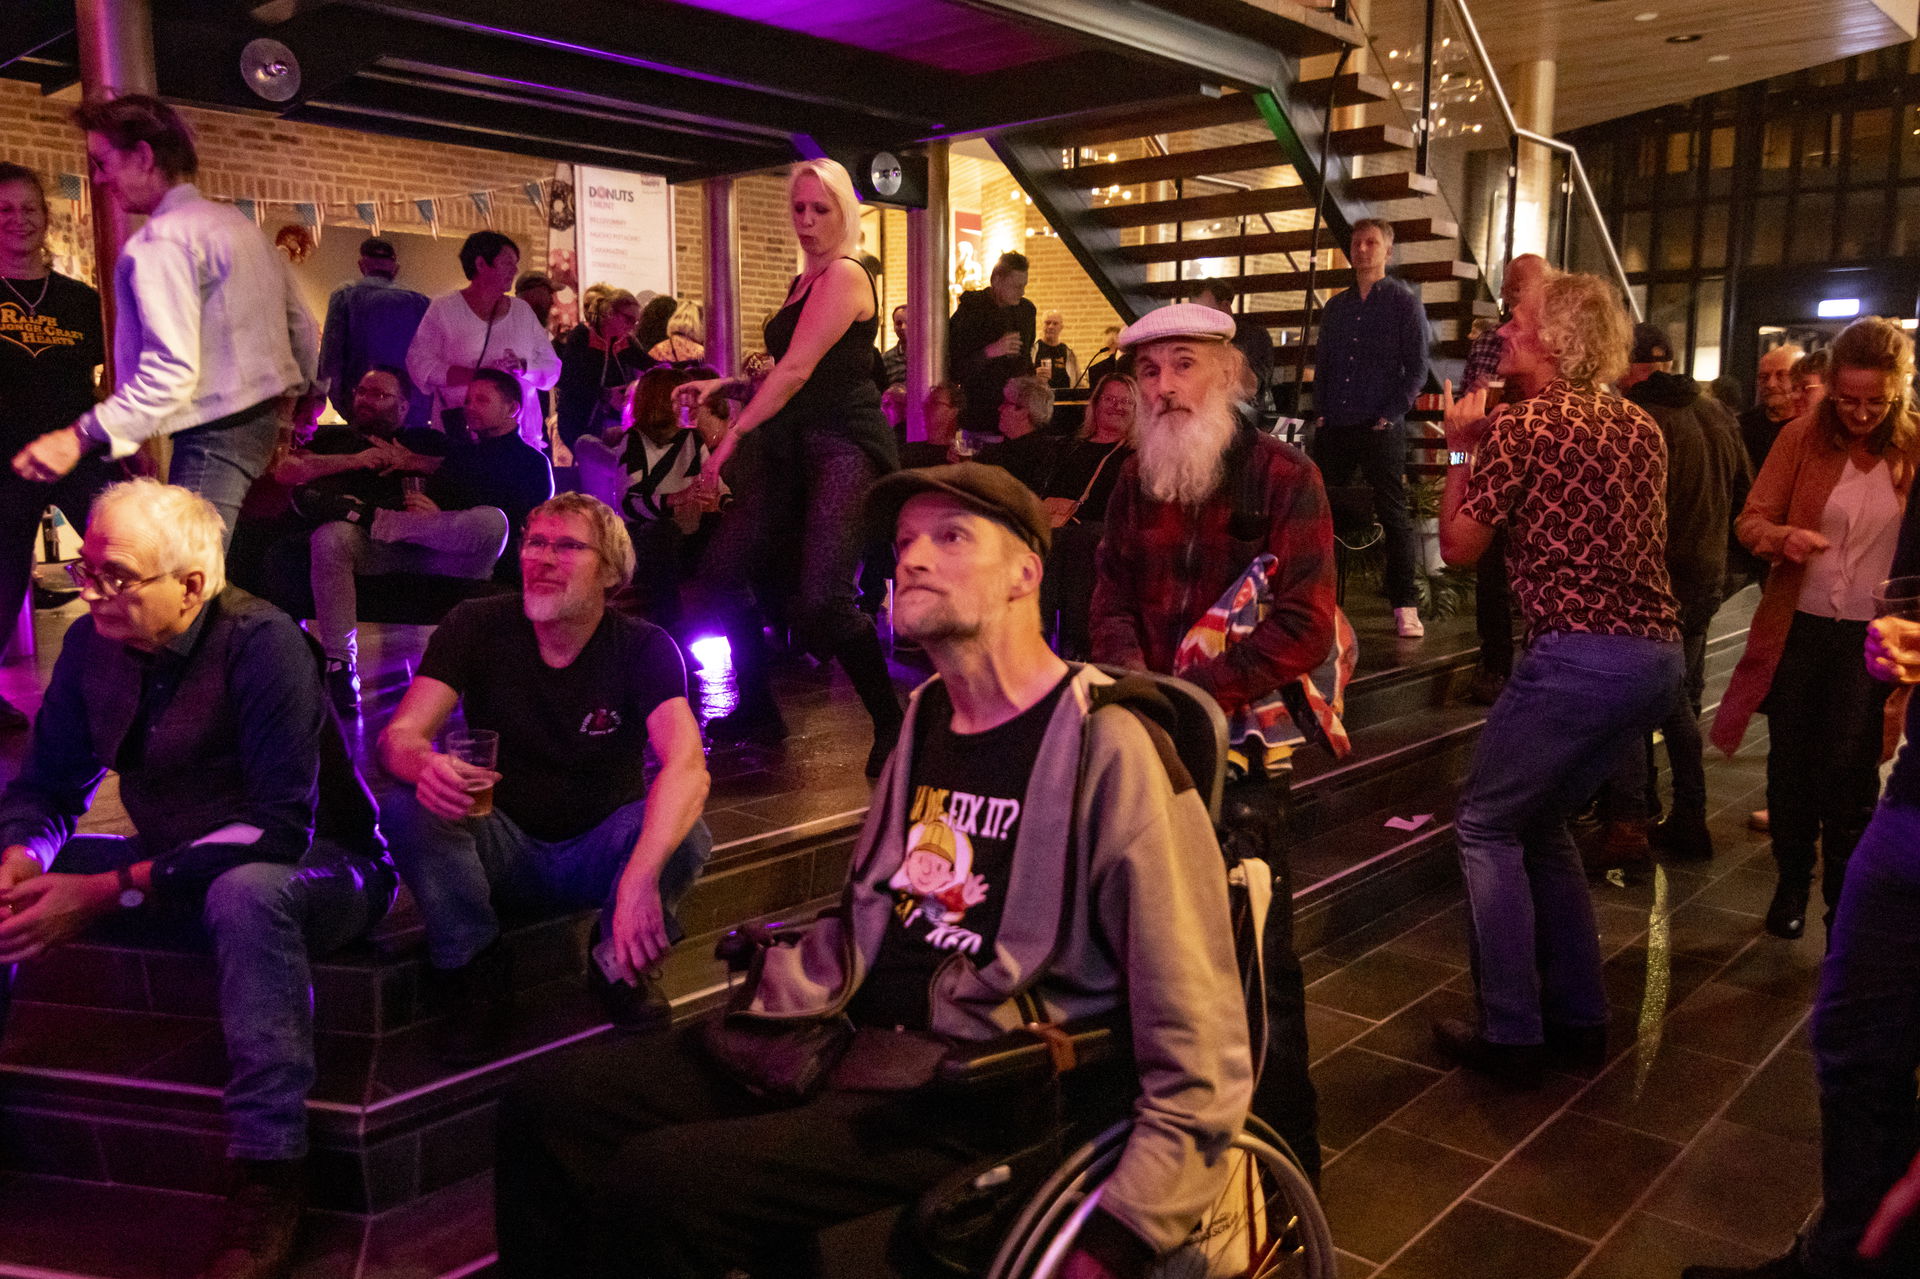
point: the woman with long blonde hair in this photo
(1825, 510)
(820, 441)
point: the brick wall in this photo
(281, 161)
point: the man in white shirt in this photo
(210, 337)
(484, 326)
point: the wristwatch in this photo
(131, 898)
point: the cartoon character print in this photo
(936, 885)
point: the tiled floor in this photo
(1698, 1143)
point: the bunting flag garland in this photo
(370, 214)
(483, 201)
(429, 214)
(536, 193)
(311, 217)
(250, 209)
(71, 186)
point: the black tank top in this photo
(839, 395)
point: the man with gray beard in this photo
(566, 819)
(1203, 499)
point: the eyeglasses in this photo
(106, 585)
(1847, 402)
(557, 545)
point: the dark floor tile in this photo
(1671, 1096)
(1578, 1174)
(1737, 1182)
(1635, 983)
(1328, 1029)
(1359, 1089)
(1784, 969)
(812, 803)
(1783, 1098)
(1409, 1034)
(1707, 932)
(1743, 889)
(1640, 890)
(1379, 984)
(1385, 930)
(1372, 1203)
(1442, 939)
(435, 1235)
(1733, 1022)
(1348, 1266)
(1471, 1112)
(1647, 1247)
(729, 824)
(1474, 1241)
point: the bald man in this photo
(1760, 425)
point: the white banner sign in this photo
(625, 230)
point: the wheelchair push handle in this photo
(1036, 1051)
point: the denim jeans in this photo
(221, 459)
(460, 871)
(265, 920)
(1866, 1041)
(1380, 454)
(444, 543)
(1572, 704)
(1630, 791)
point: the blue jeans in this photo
(459, 871)
(1572, 704)
(265, 920)
(1866, 1040)
(221, 459)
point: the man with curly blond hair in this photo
(1577, 479)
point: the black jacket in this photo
(977, 323)
(1708, 475)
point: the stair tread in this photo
(1408, 231)
(1439, 272)
(1238, 158)
(1350, 88)
(1373, 139)
(1178, 116)
(1202, 207)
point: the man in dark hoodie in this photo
(1707, 479)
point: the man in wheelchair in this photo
(1036, 860)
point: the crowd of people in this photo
(1035, 853)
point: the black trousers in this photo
(1380, 454)
(632, 1156)
(1824, 720)
(1254, 820)
(21, 504)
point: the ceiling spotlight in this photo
(1692, 39)
(1719, 57)
(270, 69)
(1648, 16)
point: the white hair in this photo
(833, 179)
(185, 526)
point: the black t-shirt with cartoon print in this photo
(963, 815)
(573, 741)
(50, 340)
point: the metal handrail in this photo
(1579, 171)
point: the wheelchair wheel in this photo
(1266, 1224)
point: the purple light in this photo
(712, 654)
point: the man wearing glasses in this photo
(253, 827)
(576, 694)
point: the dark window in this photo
(1903, 236)
(1635, 232)
(1812, 227)
(1863, 229)
(1680, 152)
(1767, 232)
(1871, 151)
(1819, 149)
(1713, 235)
(1676, 238)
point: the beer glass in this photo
(479, 747)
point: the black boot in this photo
(866, 666)
(261, 1219)
(1683, 836)
(1516, 1065)
(479, 1002)
(1787, 914)
(756, 716)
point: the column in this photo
(1531, 96)
(723, 276)
(928, 267)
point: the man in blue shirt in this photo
(1372, 363)
(253, 827)
(370, 322)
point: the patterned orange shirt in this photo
(1579, 479)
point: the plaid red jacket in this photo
(1161, 566)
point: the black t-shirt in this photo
(502, 470)
(1029, 459)
(48, 350)
(1085, 466)
(1058, 353)
(370, 487)
(962, 820)
(572, 741)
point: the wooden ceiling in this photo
(1608, 64)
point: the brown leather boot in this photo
(1623, 846)
(261, 1220)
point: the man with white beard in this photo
(1202, 499)
(565, 820)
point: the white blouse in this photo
(452, 336)
(1861, 523)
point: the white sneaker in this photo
(1406, 621)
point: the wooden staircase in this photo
(1156, 201)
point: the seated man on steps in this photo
(1202, 502)
(1013, 786)
(473, 498)
(576, 693)
(253, 828)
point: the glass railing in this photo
(1511, 190)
